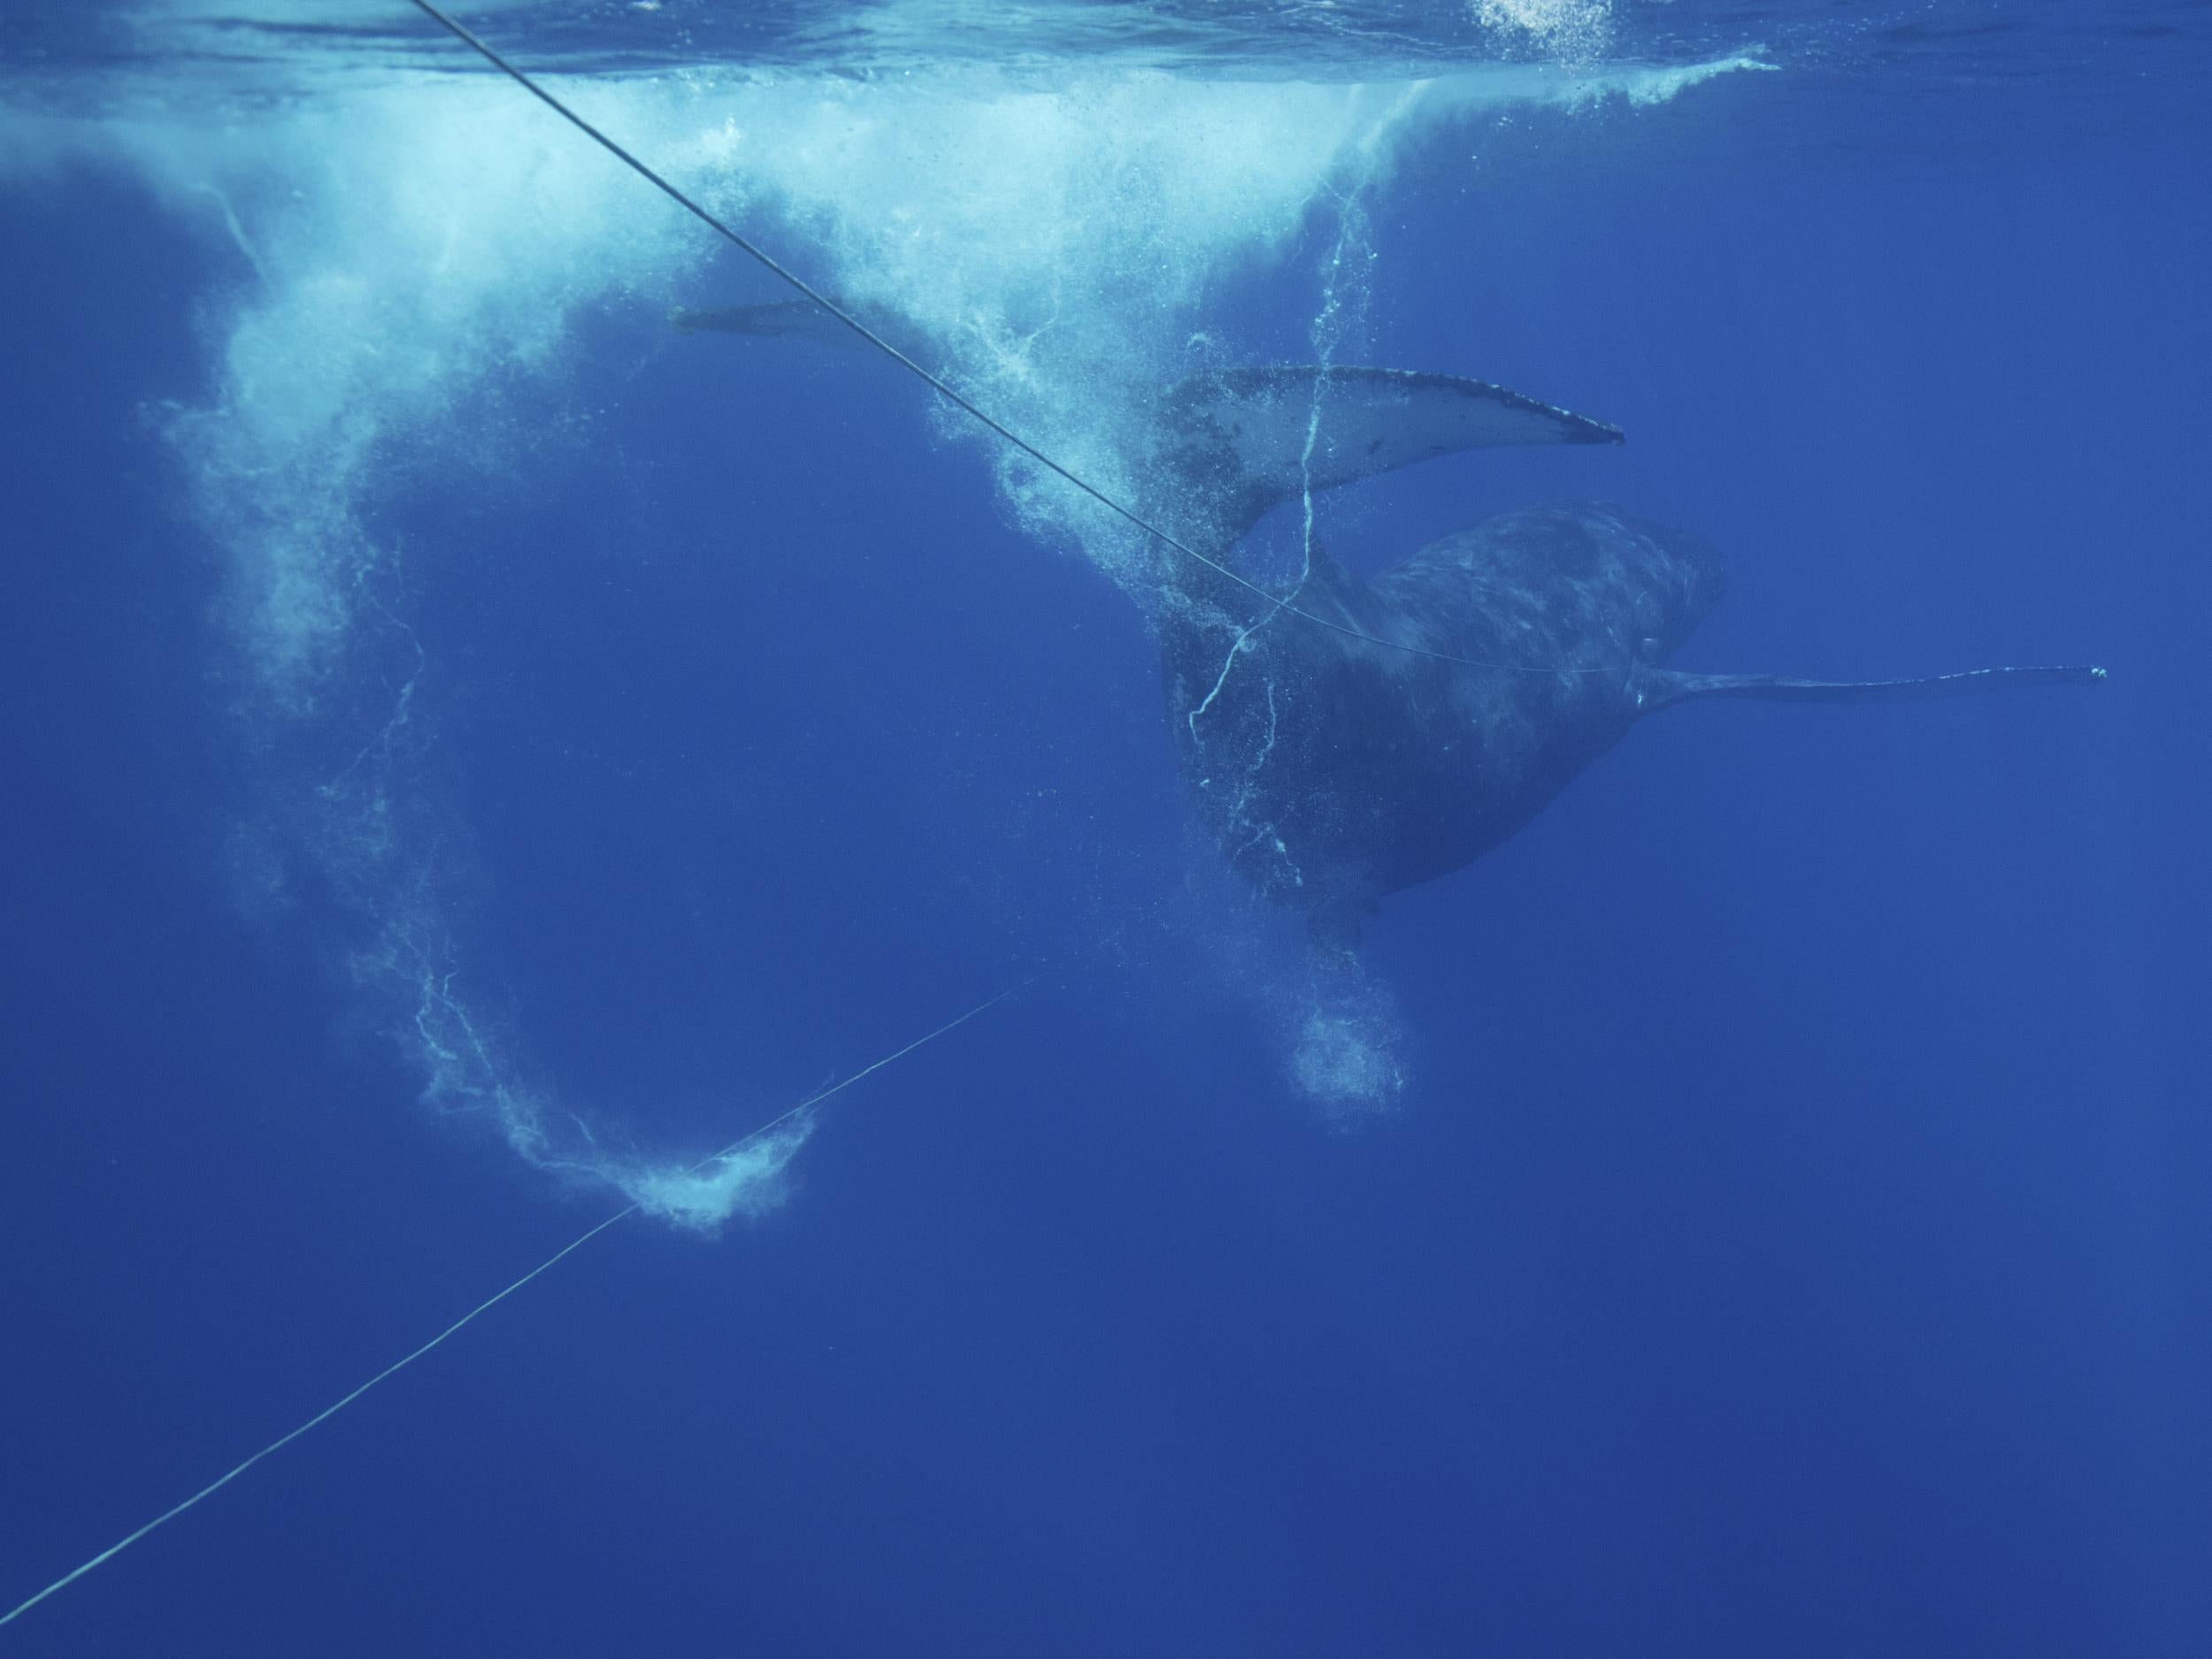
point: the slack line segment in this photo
(1276, 604)
(489, 1302)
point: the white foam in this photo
(1346, 1055)
(744, 1182)
(1578, 31)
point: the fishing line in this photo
(489, 1302)
(1279, 605)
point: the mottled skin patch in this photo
(1333, 770)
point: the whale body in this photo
(1346, 739)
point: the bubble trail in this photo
(795, 1114)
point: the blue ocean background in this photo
(1759, 1210)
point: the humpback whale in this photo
(1346, 739)
(1407, 725)
(1354, 738)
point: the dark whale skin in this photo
(1333, 770)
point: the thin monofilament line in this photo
(838, 1088)
(489, 1302)
(943, 389)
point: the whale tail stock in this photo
(1671, 685)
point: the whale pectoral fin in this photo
(1254, 436)
(1667, 686)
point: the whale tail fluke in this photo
(1671, 685)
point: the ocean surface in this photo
(473, 751)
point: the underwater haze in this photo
(499, 702)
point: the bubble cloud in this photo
(399, 265)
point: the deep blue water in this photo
(1790, 1235)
